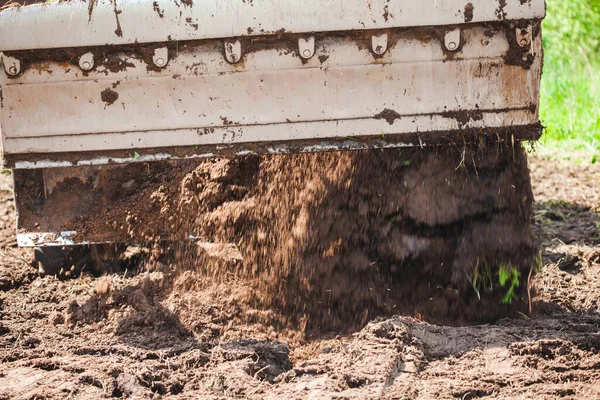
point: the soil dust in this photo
(329, 241)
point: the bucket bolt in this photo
(306, 47)
(379, 44)
(452, 40)
(233, 51)
(524, 36)
(161, 57)
(86, 61)
(12, 66)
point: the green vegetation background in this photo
(570, 94)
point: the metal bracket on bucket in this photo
(306, 47)
(452, 40)
(12, 66)
(86, 61)
(161, 57)
(524, 36)
(233, 51)
(379, 44)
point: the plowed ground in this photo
(123, 335)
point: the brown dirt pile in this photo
(332, 239)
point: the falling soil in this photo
(159, 330)
(327, 241)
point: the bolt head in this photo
(452, 46)
(379, 50)
(159, 62)
(306, 53)
(86, 62)
(233, 58)
(524, 42)
(12, 70)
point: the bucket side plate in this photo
(54, 114)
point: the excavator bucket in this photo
(86, 86)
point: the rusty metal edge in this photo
(445, 138)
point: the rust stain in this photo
(109, 96)
(91, 5)
(517, 55)
(160, 12)
(118, 31)
(323, 58)
(114, 63)
(500, 13)
(389, 115)
(190, 21)
(42, 67)
(464, 117)
(226, 121)
(386, 13)
(469, 12)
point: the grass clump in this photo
(487, 275)
(508, 277)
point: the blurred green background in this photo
(570, 95)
